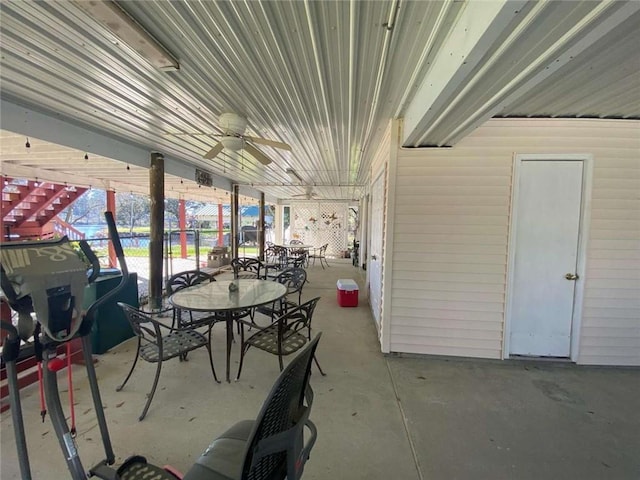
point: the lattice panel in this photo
(316, 224)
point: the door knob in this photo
(571, 276)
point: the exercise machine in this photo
(46, 280)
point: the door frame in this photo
(380, 177)
(583, 235)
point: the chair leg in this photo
(135, 360)
(318, 365)
(243, 351)
(213, 370)
(153, 391)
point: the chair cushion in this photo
(267, 340)
(145, 471)
(174, 344)
(223, 459)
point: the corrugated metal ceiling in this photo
(324, 76)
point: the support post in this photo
(111, 207)
(261, 227)
(156, 195)
(182, 225)
(220, 226)
(235, 230)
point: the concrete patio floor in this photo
(378, 417)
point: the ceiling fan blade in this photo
(214, 151)
(270, 143)
(190, 134)
(257, 154)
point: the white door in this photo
(547, 225)
(375, 250)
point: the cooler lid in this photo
(347, 284)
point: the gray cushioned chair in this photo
(273, 446)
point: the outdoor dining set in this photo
(199, 300)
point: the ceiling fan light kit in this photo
(233, 139)
(232, 143)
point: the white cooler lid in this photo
(347, 284)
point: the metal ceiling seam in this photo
(279, 70)
(312, 148)
(618, 100)
(321, 80)
(568, 98)
(375, 102)
(286, 69)
(513, 90)
(352, 65)
(254, 73)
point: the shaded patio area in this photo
(378, 417)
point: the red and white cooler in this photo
(347, 293)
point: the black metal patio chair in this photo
(288, 334)
(158, 342)
(247, 267)
(294, 279)
(186, 279)
(320, 254)
(274, 445)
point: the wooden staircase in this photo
(29, 210)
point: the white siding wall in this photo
(451, 236)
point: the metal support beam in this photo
(477, 27)
(261, 228)
(220, 226)
(156, 195)
(235, 227)
(182, 225)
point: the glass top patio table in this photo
(216, 297)
(296, 246)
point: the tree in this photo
(172, 209)
(132, 209)
(87, 208)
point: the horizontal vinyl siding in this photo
(451, 237)
(449, 258)
(611, 315)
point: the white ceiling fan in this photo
(233, 138)
(308, 194)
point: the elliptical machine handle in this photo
(91, 256)
(117, 246)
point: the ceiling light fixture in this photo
(86, 156)
(125, 27)
(27, 144)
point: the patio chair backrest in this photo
(277, 436)
(186, 279)
(294, 279)
(246, 264)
